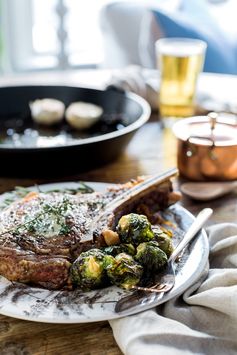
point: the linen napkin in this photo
(201, 321)
(141, 81)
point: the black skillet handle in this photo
(115, 88)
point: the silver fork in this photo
(167, 276)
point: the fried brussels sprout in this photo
(88, 271)
(151, 256)
(164, 240)
(134, 228)
(122, 248)
(124, 271)
(108, 261)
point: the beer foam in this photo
(180, 47)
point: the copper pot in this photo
(207, 147)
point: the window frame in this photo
(18, 52)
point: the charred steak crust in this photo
(42, 234)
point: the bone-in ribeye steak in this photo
(43, 233)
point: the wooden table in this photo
(151, 150)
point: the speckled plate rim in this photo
(201, 248)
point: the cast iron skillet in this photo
(123, 112)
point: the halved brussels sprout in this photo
(164, 240)
(87, 271)
(134, 228)
(124, 271)
(151, 256)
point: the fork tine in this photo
(158, 287)
(147, 289)
(155, 286)
(166, 288)
(161, 287)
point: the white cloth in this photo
(201, 321)
(143, 82)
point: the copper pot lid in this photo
(213, 129)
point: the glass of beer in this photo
(180, 60)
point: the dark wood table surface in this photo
(151, 150)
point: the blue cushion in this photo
(191, 23)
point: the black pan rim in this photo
(146, 112)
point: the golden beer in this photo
(180, 61)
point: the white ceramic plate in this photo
(40, 305)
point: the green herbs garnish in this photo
(20, 192)
(82, 188)
(65, 229)
(51, 220)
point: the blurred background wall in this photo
(61, 34)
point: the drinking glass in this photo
(180, 60)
